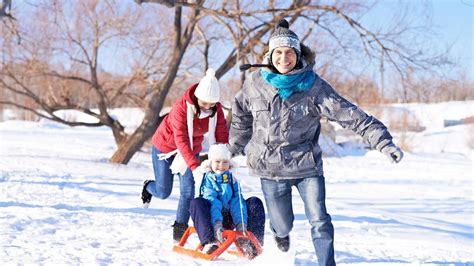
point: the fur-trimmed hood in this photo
(206, 165)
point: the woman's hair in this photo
(198, 109)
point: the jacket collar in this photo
(223, 178)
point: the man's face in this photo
(284, 59)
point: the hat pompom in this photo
(210, 72)
(283, 24)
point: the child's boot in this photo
(247, 247)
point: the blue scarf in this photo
(289, 84)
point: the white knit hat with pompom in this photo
(219, 152)
(208, 88)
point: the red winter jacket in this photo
(173, 130)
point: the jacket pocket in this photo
(300, 121)
(298, 157)
(256, 162)
(260, 109)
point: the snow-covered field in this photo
(61, 202)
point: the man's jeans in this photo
(163, 185)
(313, 193)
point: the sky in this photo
(62, 203)
(452, 20)
(451, 25)
(456, 20)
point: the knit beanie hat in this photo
(219, 152)
(208, 88)
(282, 36)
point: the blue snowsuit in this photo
(223, 194)
(220, 200)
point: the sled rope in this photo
(241, 210)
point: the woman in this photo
(276, 123)
(178, 141)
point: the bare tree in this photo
(6, 4)
(8, 20)
(435, 89)
(361, 90)
(244, 40)
(181, 39)
(228, 33)
(77, 42)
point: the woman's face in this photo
(284, 59)
(205, 105)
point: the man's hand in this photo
(394, 153)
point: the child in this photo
(221, 205)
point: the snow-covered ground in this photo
(61, 202)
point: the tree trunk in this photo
(134, 142)
(152, 119)
(128, 148)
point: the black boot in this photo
(249, 249)
(178, 230)
(146, 196)
(210, 246)
(283, 243)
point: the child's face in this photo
(220, 166)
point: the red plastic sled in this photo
(230, 238)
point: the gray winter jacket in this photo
(280, 137)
